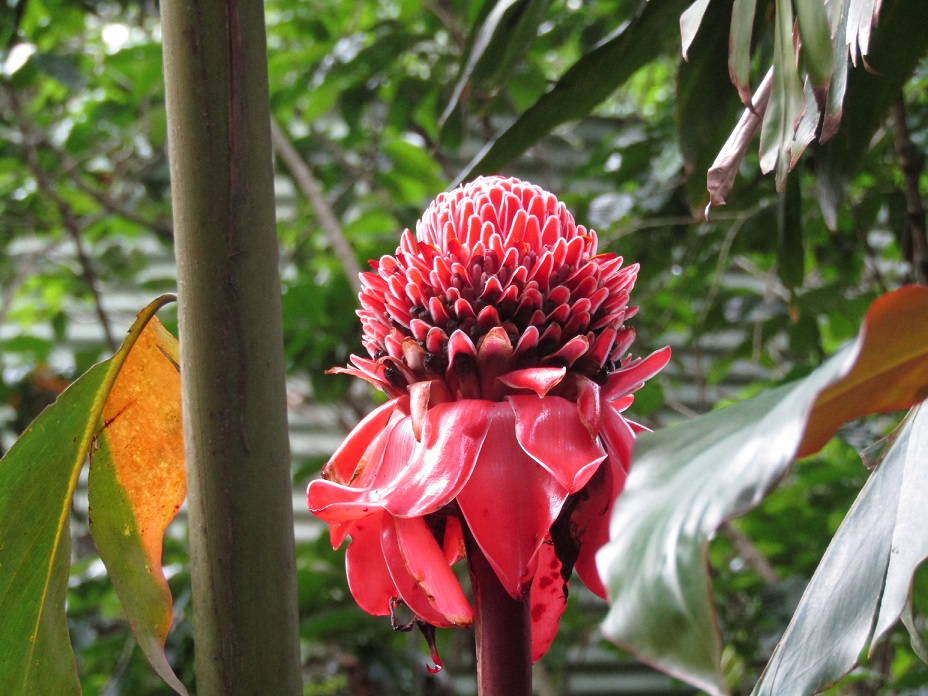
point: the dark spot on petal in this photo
(538, 611)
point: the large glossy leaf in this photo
(137, 484)
(37, 481)
(586, 83)
(686, 480)
(873, 555)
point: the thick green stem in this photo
(235, 419)
(503, 630)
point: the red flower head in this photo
(499, 334)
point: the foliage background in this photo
(359, 91)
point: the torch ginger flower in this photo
(499, 335)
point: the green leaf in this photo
(506, 34)
(739, 55)
(874, 553)
(817, 50)
(686, 480)
(785, 107)
(790, 254)
(586, 83)
(37, 481)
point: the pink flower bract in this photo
(498, 332)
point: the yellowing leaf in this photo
(137, 485)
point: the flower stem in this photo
(502, 628)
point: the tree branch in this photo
(912, 164)
(310, 188)
(69, 220)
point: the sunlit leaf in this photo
(686, 480)
(37, 481)
(689, 23)
(586, 83)
(874, 554)
(137, 484)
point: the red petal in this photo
(539, 379)
(368, 576)
(618, 438)
(453, 543)
(551, 432)
(335, 503)
(627, 379)
(548, 599)
(424, 580)
(493, 359)
(343, 464)
(509, 503)
(440, 464)
(589, 404)
(589, 522)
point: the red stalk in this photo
(502, 627)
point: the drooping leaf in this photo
(786, 100)
(910, 537)
(874, 553)
(586, 83)
(705, 103)
(817, 49)
(686, 480)
(690, 21)
(894, 52)
(137, 483)
(505, 35)
(739, 55)
(838, 86)
(862, 18)
(722, 173)
(37, 481)
(790, 253)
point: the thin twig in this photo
(750, 554)
(106, 201)
(310, 187)
(71, 224)
(912, 164)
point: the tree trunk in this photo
(232, 368)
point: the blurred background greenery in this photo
(378, 107)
